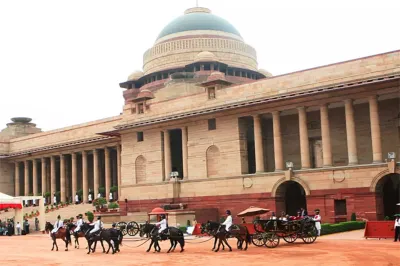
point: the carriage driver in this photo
(79, 223)
(97, 226)
(228, 221)
(57, 225)
(163, 225)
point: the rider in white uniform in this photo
(57, 225)
(78, 223)
(317, 219)
(162, 224)
(97, 226)
(228, 221)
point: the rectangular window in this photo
(211, 93)
(140, 108)
(340, 207)
(212, 124)
(139, 136)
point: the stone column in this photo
(62, 178)
(167, 154)
(375, 129)
(34, 178)
(185, 152)
(16, 179)
(119, 169)
(351, 132)
(44, 188)
(96, 176)
(277, 141)
(52, 177)
(304, 142)
(107, 169)
(258, 144)
(26, 177)
(85, 177)
(326, 135)
(74, 174)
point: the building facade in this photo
(202, 125)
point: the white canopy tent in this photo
(16, 203)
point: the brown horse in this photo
(71, 227)
(62, 233)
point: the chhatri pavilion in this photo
(204, 127)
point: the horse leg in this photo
(151, 244)
(158, 246)
(226, 242)
(181, 243)
(94, 247)
(89, 246)
(176, 243)
(215, 242)
(219, 244)
(172, 244)
(66, 244)
(53, 243)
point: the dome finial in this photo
(197, 9)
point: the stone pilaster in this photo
(96, 175)
(375, 129)
(351, 132)
(34, 178)
(304, 142)
(74, 174)
(16, 179)
(258, 144)
(326, 135)
(107, 172)
(44, 177)
(85, 187)
(119, 170)
(62, 178)
(278, 152)
(185, 152)
(26, 178)
(167, 154)
(52, 177)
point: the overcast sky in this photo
(61, 61)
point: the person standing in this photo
(55, 199)
(76, 199)
(98, 195)
(303, 212)
(18, 229)
(111, 196)
(317, 220)
(90, 198)
(36, 224)
(397, 228)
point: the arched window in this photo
(213, 161)
(140, 169)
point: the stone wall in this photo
(6, 177)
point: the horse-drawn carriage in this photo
(130, 228)
(268, 232)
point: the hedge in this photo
(327, 229)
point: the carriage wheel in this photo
(290, 238)
(310, 236)
(122, 227)
(272, 241)
(258, 240)
(132, 228)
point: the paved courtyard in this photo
(340, 249)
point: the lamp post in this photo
(289, 165)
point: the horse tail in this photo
(181, 241)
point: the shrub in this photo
(113, 205)
(327, 229)
(102, 190)
(47, 194)
(100, 202)
(90, 216)
(80, 193)
(114, 189)
(183, 229)
(387, 218)
(353, 217)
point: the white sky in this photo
(61, 60)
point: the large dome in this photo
(198, 18)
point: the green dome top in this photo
(198, 19)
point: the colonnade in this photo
(69, 169)
(325, 136)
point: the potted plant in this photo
(47, 196)
(113, 206)
(102, 203)
(47, 209)
(90, 216)
(37, 213)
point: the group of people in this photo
(90, 197)
(97, 226)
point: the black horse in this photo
(237, 231)
(111, 236)
(71, 227)
(211, 228)
(61, 233)
(175, 236)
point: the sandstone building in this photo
(236, 135)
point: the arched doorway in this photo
(290, 197)
(388, 195)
